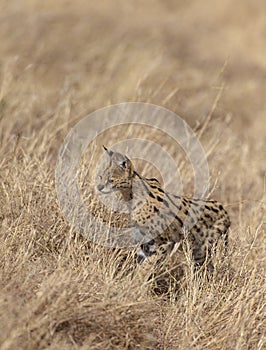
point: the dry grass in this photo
(61, 61)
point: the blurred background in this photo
(173, 53)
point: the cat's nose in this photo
(100, 187)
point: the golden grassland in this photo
(204, 60)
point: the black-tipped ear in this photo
(109, 152)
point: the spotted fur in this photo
(160, 219)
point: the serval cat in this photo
(159, 219)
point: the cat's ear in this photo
(109, 152)
(126, 164)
